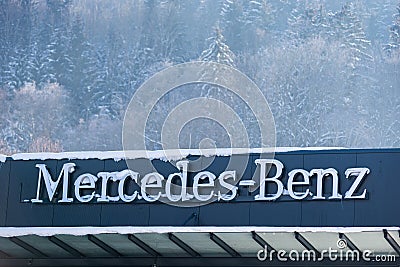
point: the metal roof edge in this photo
(88, 230)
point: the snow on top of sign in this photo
(80, 231)
(164, 155)
(3, 158)
(116, 155)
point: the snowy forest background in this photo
(330, 69)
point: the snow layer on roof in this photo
(165, 155)
(79, 231)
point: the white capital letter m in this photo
(51, 186)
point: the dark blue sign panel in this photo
(300, 188)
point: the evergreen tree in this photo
(307, 21)
(17, 38)
(41, 50)
(258, 18)
(39, 64)
(246, 23)
(79, 63)
(111, 76)
(16, 72)
(347, 27)
(393, 47)
(231, 23)
(218, 51)
(59, 56)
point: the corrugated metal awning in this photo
(190, 246)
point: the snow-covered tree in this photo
(347, 27)
(80, 77)
(393, 47)
(231, 22)
(312, 58)
(307, 20)
(305, 85)
(16, 72)
(218, 51)
(246, 24)
(33, 114)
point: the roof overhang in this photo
(194, 246)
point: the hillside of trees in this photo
(330, 70)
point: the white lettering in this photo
(51, 186)
(114, 186)
(225, 176)
(361, 173)
(321, 174)
(183, 177)
(196, 185)
(123, 175)
(263, 178)
(85, 181)
(291, 183)
(151, 180)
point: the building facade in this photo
(312, 207)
